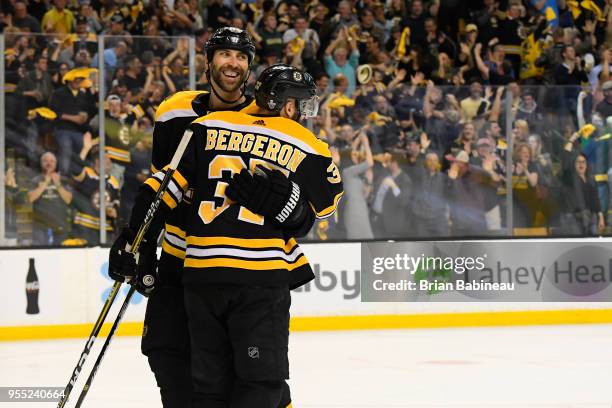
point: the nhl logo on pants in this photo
(253, 352)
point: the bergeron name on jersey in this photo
(268, 148)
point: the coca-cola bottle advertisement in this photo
(32, 288)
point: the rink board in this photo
(74, 284)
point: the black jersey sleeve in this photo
(320, 178)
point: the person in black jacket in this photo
(581, 212)
(70, 104)
(569, 74)
(393, 201)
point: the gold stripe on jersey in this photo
(176, 231)
(169, 249)
(91, 173)
(89, 221)
(112, 180)
(81, 176)
(175, 191)
(121, 155)
(86, 171)
(256, 243)
(166, 197)
(257, 265)
(174, 241)
(88, 217)
(241, 253)
(182, 181)
(326, 212)
(283, 129)
(177, 105)
(176, 187)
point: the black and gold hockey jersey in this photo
(226, 243)
(86, 202)
(120, 137)
(172, 118)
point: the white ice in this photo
(508, 367)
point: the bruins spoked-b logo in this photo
(253, 352)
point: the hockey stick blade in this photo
(94, 369)
(90, 341)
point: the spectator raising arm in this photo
(147, 89)
(580, 109)
(605, 65)
(166, 75)
(497, 103)
(569, 145)
(399, 77)
(365, 147)
(255, 35)
(88, 144)
(182, 20)
(182, 51)
(333, 44)
(482, 67)
(327, 124)
(352, 40)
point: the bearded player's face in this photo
(229, 69)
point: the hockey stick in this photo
(87, 385)
(92, 337)
(149, 280)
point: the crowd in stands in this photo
(416, 101)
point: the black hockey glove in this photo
(121, 263)
(139, 270)
(147, 275)
(268, 193)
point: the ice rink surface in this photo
(506, 367)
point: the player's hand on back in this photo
(267, 192)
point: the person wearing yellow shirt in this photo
(59, 19)
(471, 106)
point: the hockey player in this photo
(241, 257)
(165, 339)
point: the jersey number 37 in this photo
(209, 210)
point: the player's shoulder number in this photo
(333, 174)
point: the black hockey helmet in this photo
(230, 38)
(280, 82)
